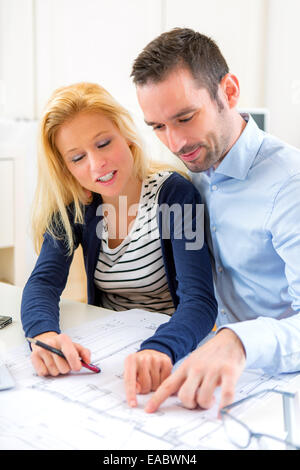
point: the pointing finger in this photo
(130, 380)
(166, 389)
(227, 389)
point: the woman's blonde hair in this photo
(56, 186)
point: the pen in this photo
(91, 367)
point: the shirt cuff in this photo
(259, 343)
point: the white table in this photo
(72, 314)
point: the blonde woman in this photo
(96, 188)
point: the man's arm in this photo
(272, 343)
(219, 362)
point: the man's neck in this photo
(238, 126)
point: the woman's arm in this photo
(189, 274)
(40, 310)
(41, 294)
(188, 269)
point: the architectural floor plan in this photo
(89, 411)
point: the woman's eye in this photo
(77, 158)
(103, 144)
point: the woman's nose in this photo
(96, 161)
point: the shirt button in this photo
(222, 311)
(220, 269)
(214, 228)
(214, 187)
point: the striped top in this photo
(132, 275)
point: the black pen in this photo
(91, 367)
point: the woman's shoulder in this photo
(178, 188)
(168, 177)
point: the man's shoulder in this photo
(282, 156)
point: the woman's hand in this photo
(144, 372)
(47, 363)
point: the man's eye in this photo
(186, 119)
(158, 127)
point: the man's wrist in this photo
(233, 338)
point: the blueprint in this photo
(84, 410)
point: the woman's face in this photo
(97, 155)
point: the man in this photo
(250, 183)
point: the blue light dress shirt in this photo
(252, 203)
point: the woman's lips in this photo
(109, 181)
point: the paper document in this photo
(89, 411)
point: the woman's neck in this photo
(121, 211)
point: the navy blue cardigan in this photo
(188, 273)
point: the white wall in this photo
(17, 74)
(93, 41)
(282, 80)
(47, 43)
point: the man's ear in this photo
(230, 89)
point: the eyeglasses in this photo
(241, 435)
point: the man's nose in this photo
(175, 141)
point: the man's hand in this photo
(219, 362)
(46, 363)
(144, 372)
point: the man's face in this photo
(194, 127)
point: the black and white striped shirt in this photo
(132, 275)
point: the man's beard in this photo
(211, 157)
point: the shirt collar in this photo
(240, 157)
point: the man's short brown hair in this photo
(181, 47)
